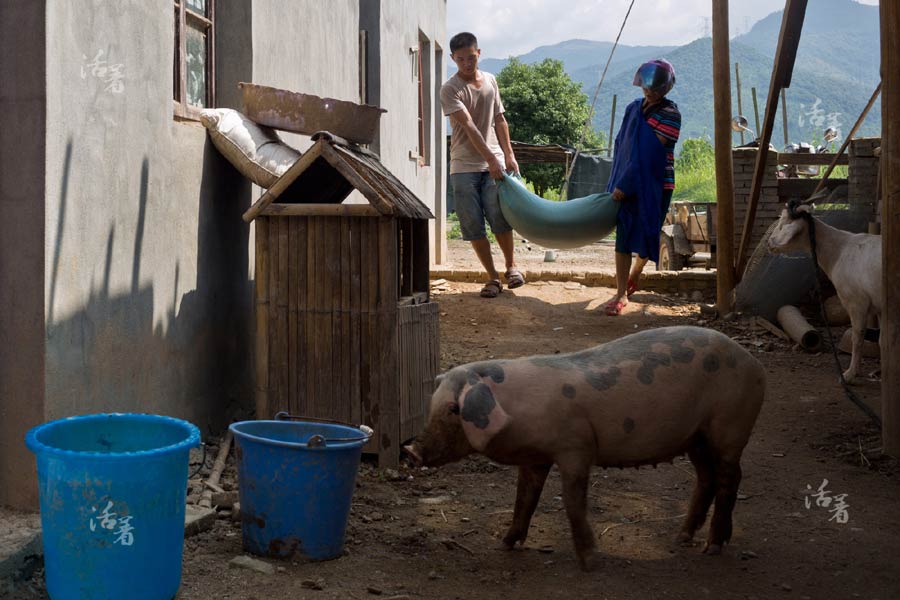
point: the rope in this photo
(811, 227)
(597, 93)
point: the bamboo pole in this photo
(890, 227)
(724, 163)
(784, 117)
(737, 84)
(612, 125)
(755, 109)
(213, 480)
(859, 121)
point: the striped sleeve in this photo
(666, 121)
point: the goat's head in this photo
(791, 230)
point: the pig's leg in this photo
(704, 492)
(575, 476)
(728, 478)
(528, 492)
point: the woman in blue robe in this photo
(643, 176)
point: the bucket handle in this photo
(318, 440)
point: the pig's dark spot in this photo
(472, 377)
(711, 363)
(603, 380)
(600, 365)
(649, 364)
(680, 354)
(478, 405)
(492, 370)
(457, 381)
(568, 391)
(628, 425)
(730, 360)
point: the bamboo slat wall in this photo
(419, 363)
(332, 341)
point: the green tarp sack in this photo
(570, 224)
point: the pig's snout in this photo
(414, 453)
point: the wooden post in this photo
(724, 164)
(890, 227)
(782, 70)
(755, 109)
(612, 125)
(387, 377)
(737, 84)
(261, 308)
(784, 117)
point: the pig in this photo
(638, 400)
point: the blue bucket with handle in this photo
(112, 496)
(296, 478)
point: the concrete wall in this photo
(402, 24)
(148, 292)
(22, 151)
(126, 268)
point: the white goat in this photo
(852, 262)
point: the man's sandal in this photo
(613, 308)
(492, 289)
(514, 278)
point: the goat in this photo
(852, 261)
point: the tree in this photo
(544, 106)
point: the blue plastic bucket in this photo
(296, 480)
(112, 494)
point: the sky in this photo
(512, 27)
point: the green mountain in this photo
(583, 54)
(834, 75)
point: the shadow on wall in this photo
(109, 357)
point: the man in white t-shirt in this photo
(479, 151)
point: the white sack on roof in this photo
(255, 150)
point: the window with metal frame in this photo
(194, 60)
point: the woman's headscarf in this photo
(656, 75)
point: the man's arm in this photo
(463, 120)
(501, 127)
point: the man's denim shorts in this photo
(475, 197)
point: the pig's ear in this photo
(438, 380)
(481, 415)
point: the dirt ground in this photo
(594, 257)
(435, 533)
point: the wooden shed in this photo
(345, 326)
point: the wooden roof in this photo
(330, 170)
(542, 153)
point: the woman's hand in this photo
(618, 195)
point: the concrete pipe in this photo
(799, 329)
